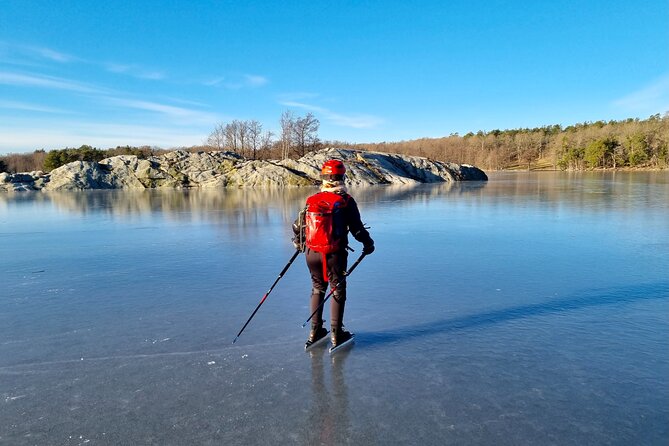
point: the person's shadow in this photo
(585, 299)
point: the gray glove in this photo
(296, 243)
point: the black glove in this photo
(298, 230)
(296, 243)
(368, 249)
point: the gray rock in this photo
(266, 174)
(182, 169)
(365, 168)
(80, 175)
(25, 181)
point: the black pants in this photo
(333, 268)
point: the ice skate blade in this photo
(343, 345)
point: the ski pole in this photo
(348, 273)
(285, 268)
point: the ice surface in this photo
(531, 309)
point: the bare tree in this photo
(305, 134)
(232, 136)
(216, 139)
(287, 123)
(243, 137)
(254, 131)
(267, 142)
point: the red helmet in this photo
(333, 168)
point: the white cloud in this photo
(353, 120)
(15, 105)
(35, 56)
(246, 81)
(255, 81)
(152, 75)
(297, 96)
(49, 82)
(179, 115)
(356, 121)
(35, 52)
(56, 56)
(214, 82)
(652, 98)
(28, 136)
(135, 71)
(186, 101)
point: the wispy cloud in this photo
(35, 52)
(245, 81)
(29, 55)
(252, 80)
(199, 104)
(214, 82)
(58, 134)
(56, 56)
(180, 115)
(25, 106)
(297, 96)
(353, 120)
(135, 71)
(49, 82)
(100, 94)
(651, 98)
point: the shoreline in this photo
(598, 169)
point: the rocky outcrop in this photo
(181, 169)
(23, 181)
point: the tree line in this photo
(602, 144)
(635, 143)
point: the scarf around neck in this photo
(336, 187)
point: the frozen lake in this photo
(532, 309)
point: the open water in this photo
(531, 309)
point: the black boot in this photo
(316, 334)
(338, 336)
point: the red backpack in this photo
(324, 222)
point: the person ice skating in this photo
(327, 219)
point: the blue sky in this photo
(165, 73)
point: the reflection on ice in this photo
(328, 420)
(219, 204)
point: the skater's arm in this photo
(357, 228)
